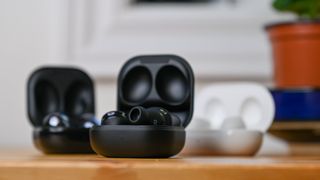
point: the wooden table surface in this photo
(30, 164)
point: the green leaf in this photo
(306, 9)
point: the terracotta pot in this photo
(296, 54)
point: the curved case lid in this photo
(165, 81)
(53, 89)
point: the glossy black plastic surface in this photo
(164, 81)
(61, 90)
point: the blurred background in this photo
(224, 40)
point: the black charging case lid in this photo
(56, 89)
(165, 81)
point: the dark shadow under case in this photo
(165, 81)
(64, 90)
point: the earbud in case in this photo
(60, 102)
(155, 104)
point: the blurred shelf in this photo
(297, 131)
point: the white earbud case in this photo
(230, 119)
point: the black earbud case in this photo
(165, 81)
(66, 90)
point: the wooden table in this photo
(30, 164)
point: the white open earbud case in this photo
(230, 119)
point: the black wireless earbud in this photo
(150, 116)
(86, 120)
(114, 118)
(175, 120)
(55, 120)
(141, 116)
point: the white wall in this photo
(24, 45)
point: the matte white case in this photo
(230, 119)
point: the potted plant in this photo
(296, 44)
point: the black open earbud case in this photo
(165, 81)
(66, 90)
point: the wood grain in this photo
(29, 164)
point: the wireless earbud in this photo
(153, 116)
(150, 116)
(56, 120)
(141, 116)
(175, 120)
(114, 118)
(86, 120)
